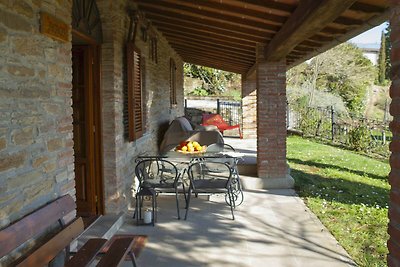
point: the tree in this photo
(213, 81)
(388, 51)
(382, 61)
(343, 71)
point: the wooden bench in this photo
(52, 243)
(217, 120)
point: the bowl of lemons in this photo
(190, 147)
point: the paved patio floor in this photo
(272, 228)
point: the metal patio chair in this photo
(237, 188)
(210, 177)
(161, 175)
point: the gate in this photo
(231, 111)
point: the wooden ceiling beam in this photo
(173, 22)
(213, 54)
(214, 24)
(333, 31)
(237, 65)
(177, 41)
(270, 7)
(348, 21)
(231, 67)
(213, 58)
(175, 38)
(207, 16)
(216, 66)
(367, 8)
(225, 54)
(309, 17)
(221, 8)
(213, 39)
(321, 39)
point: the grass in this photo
(348, 192)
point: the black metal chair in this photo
(160, 175)
(210, 177)
(237, 188)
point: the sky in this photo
(371, 36)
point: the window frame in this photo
(135, 92)
(172, 83)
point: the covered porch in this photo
(43, 101)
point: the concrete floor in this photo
(272, 228)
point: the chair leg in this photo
(177, 202)
(188, 202)
(184, 194)
(133, 258)
(232, 202)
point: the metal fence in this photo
(328, 124)
(231, 111)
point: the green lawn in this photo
(348, 192)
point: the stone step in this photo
(248, 169)
(104, 227)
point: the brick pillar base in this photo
(394, 176)
(249, 103)
(271, 125)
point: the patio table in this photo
(183, 160)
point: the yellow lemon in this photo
(184, 148)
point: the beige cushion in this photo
(180, 130)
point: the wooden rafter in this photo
(272, 7)
(173, 16)
(366, 8)
(213, 54)
(235, 11)
(194, 44)
(186, 25)
(209, 17)
(225, 33)
(309, 17)
(211, 39)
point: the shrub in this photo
(359, 138)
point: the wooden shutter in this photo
(135, 101)
(172, 81)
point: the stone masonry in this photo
(36, 138)
(249, 103)
(36, 147)
(119, 153)
(393, 258)
(271, 124)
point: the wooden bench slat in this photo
(36, 222)
(87, 253)
(52, 247)
(117, 252)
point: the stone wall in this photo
(249, 102)
(36, 138)
(119, 153)
(36, 147)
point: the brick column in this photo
(394, 176)
(271, 125)
(249, 104)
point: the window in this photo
(172, 83)
(135, 95)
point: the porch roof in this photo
(224, 33)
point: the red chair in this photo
(217, 120)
